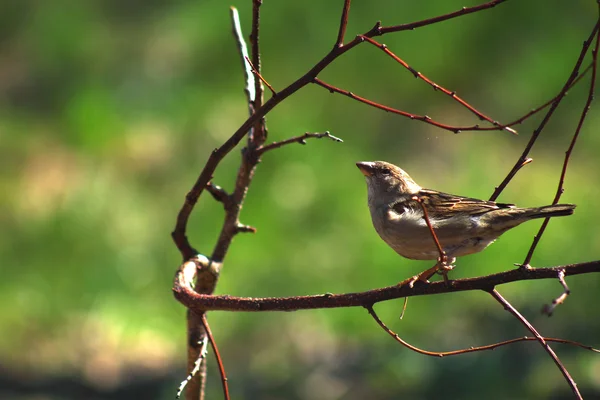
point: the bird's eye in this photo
(385, 171)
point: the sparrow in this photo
(463, 225)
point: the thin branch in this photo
(548, 309)
(514, 171)
(179, 233)
(243, 52)
(241, 228)
(255, 71)
(254, 41)
(259, 130)
(553, 107)
(492, 346)
(219, 194)
(443, 256)
(430, 21)
(552, 100)
(563, 173)
(435, 86)
(196, 368)
(508, 307)
(207, 279)
(442, 263)
(213, 344)
(203, 302)
(196, 337)
(297, 139)
(423, 118)
(343, 24)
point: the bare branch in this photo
(259, 132)
(513, 172)
(443, 256)
(219, 194)
(552, 100)
(241, 228)
(343, 24)
(548, 309)
(243, 51)
(196, 368)
(422, 118)
(255, 72)
(508, 307)
(493, 346)
(413, 25)
(442, 264)
(201, 302)
(213, 344)
(435, 86)
(555, 104)
(179, 233)
(584, 112)
(297, 139)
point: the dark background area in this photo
(108, 111)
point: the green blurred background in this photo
(108, 111)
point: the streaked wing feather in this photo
(444, 205)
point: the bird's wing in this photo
(443, 205)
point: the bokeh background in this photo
(108, 111)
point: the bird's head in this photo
(386, 180)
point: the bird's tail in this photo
(557, 210)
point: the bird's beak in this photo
(366, 168)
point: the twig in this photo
(563, 173)
(443, 256)
(413, 25)
(553, 107)
(243, 51)
(435, 86)
(343, 24)
(422, 118)
(492, 346)
(219, 194)
(213, 344)
(241, 228)
(508, 307)
(255, 71)
(442, 263)
(204, 302)
(179, 233)
(552, 100)
(196, 368)
(514, 171)
(259, 131)
(404, 307)
(297, 139)
(548, 309)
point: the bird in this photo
(463, 225)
